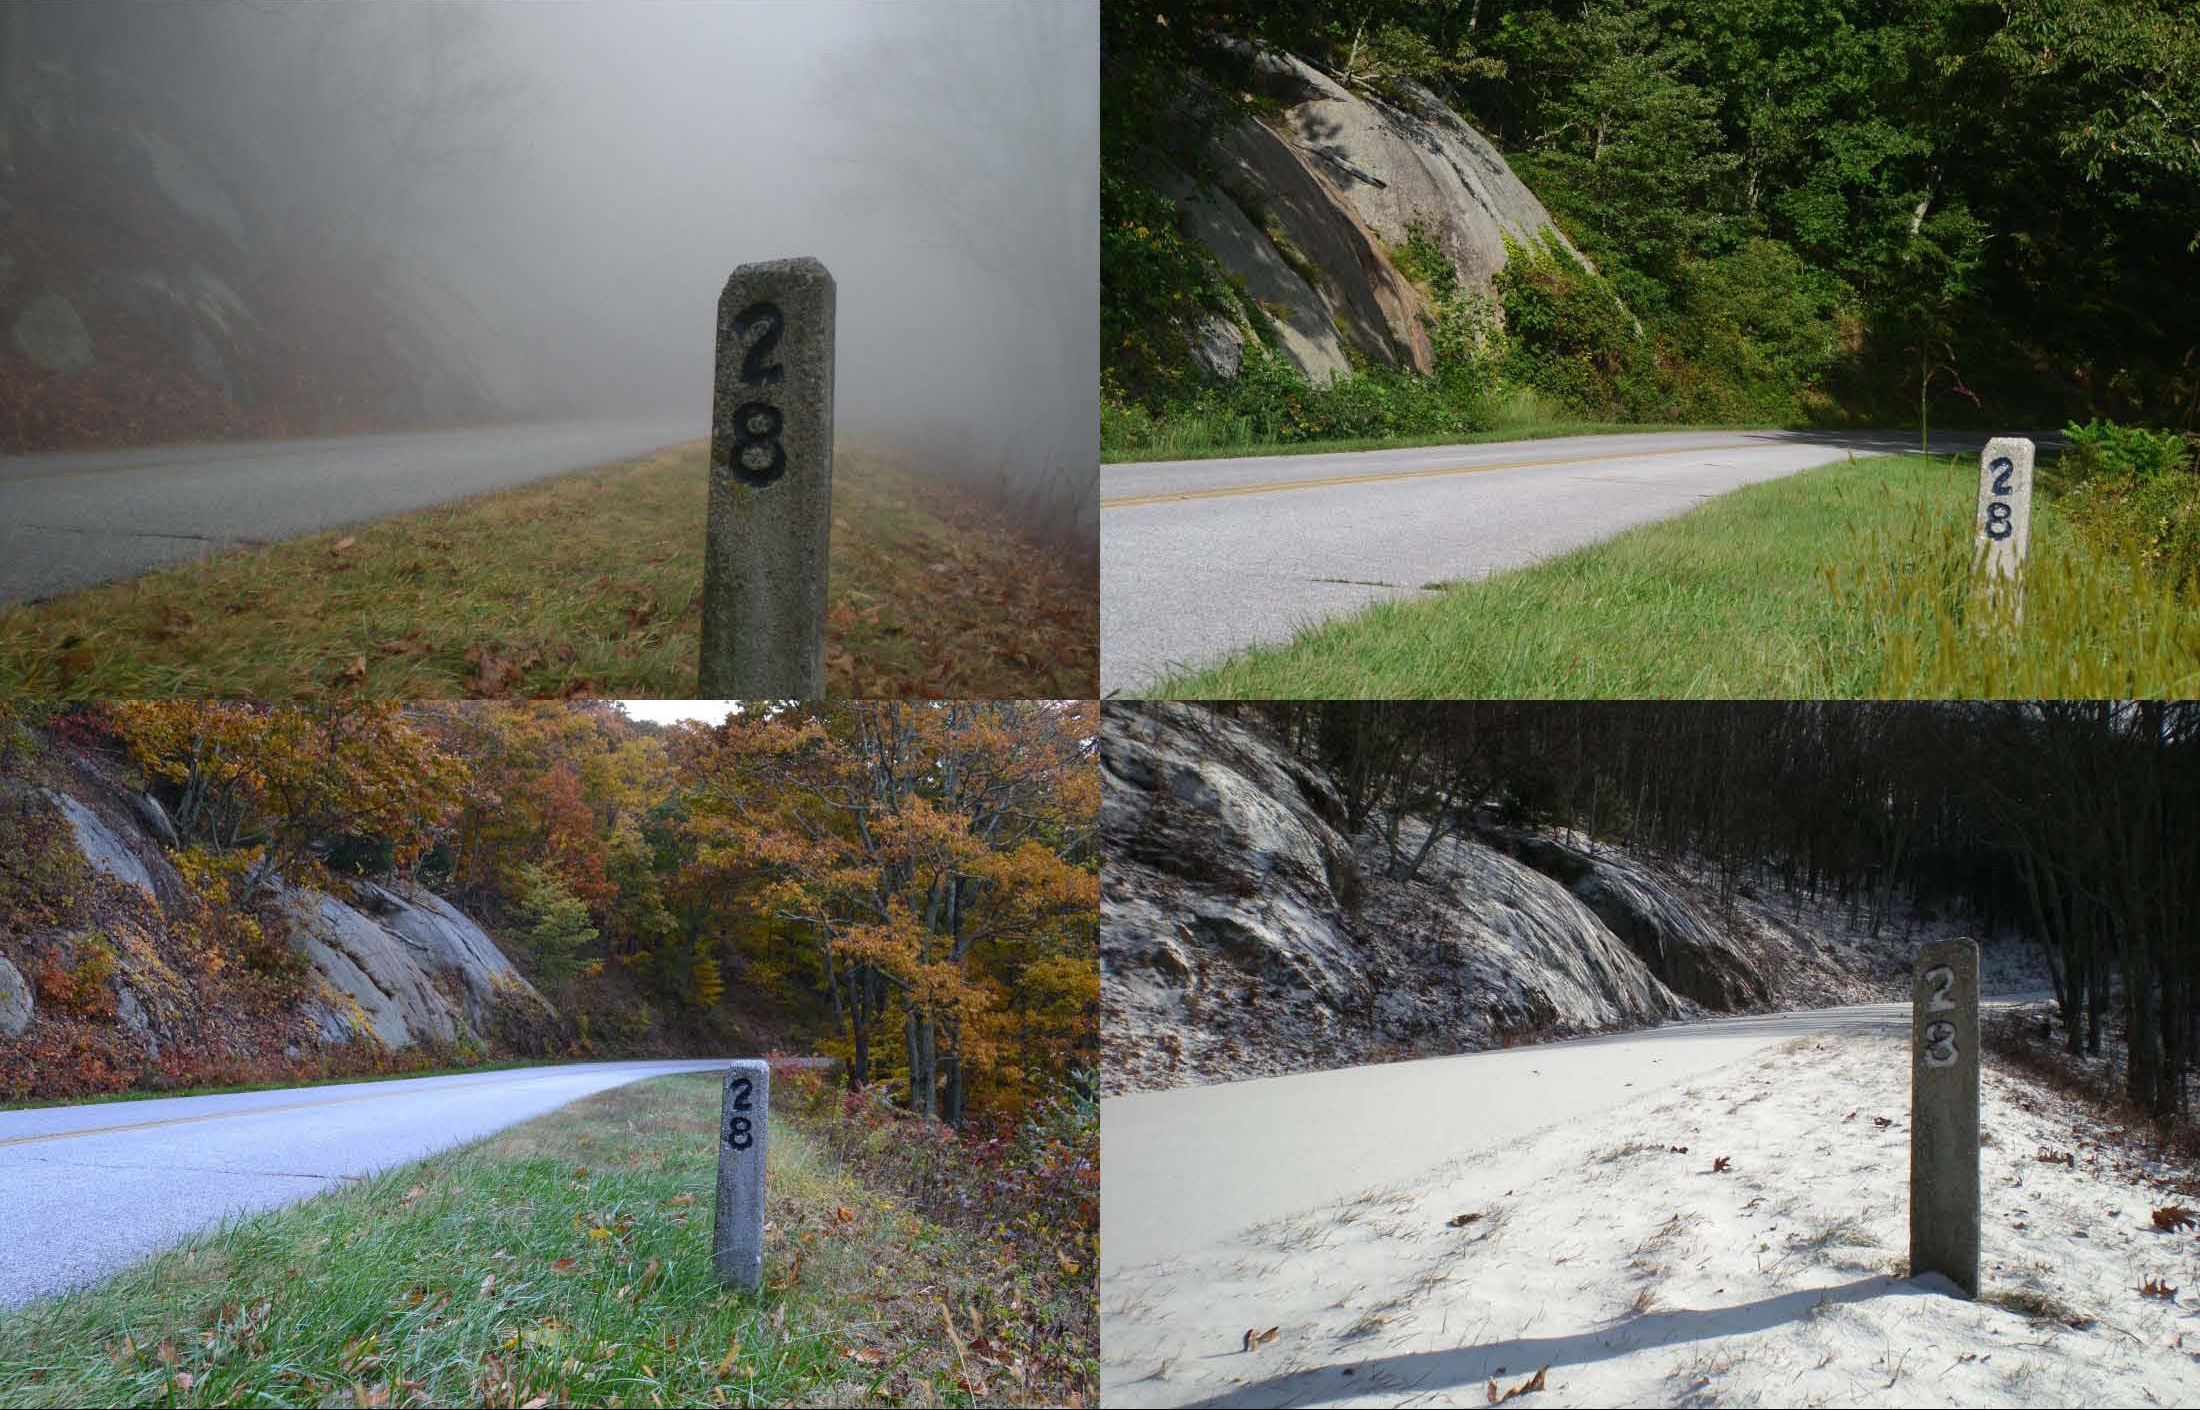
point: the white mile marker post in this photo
(2004, 526)
(737, 1237)
(771, 485)
(1944, 1185)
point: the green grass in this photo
(1199, 439)
(586, 584)
(143, 1094)
(565, 1261)
(1851, 580)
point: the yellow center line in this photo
(243, 1111)
(1133, 501)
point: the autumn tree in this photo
(940, 854)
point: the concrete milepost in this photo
(737, 1237)
(771, 485)
(1944, 1191)
(2004, 521)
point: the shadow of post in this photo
(1425, 1371)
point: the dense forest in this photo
(2077, 822)
(910, 888)
(1829, 210)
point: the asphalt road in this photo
(1187, 1168)
(70, 521)
(1200, 558)
(85, 1190)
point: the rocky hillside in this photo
(146, 296)
(1244, 934)
(117, 969)
(1315, 200)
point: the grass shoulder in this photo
(1850, 580)
(564, 1261)
(145, 1094)
(1198, 449)
(586, 584)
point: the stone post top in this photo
(749, 1066)
(2007, 445)
(802, 269)
(1941, 949)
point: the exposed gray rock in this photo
(188, 187)
(132, 1015)
(51, 333)
(443, 939)
(206, 360)
(1673, 937)
(16, 1007)
(101, 847)
(1219, 346)
(368, 965)
(1243, 934)
(1304, 323)
(154, 818)
(1313, 201)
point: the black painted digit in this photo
(739, 1133)
(1942, 978)
(2003, 469)
(756, 427)
(1940, 1044)
(1998, 522)
(754, 370)
(741, 1089)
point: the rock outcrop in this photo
(1312, 203)
(394, 964)
(1244, 933)
(16, 1006)
(445, 942)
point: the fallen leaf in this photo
(1720, 1164)
(344, 544)
(565, 1265)
(2173, 1217)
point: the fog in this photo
(563, 188)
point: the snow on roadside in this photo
(1610, 1252)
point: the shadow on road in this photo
(1423, 1372)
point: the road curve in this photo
(1200, 558)
(1188, 1168)
(85, 1190)
(75, 520)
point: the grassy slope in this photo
(564, 1261)
(586, 584)
(1841, 582)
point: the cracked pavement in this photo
(88, 1189)
(75, 520)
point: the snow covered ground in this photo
(1506, 1223)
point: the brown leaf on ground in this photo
(1461, 1221)
(1721, 1164)
(1529, 1386)
(2155, 1287)
(344, 544)
(2173, 1217)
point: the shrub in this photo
(2134, 491)
(79, 988)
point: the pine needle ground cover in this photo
(1848, 581)
(583, 585)
(565, 1261)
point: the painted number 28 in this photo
(1940, 1034)
(739, 1133)
(758, 456)
(1999, 517)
